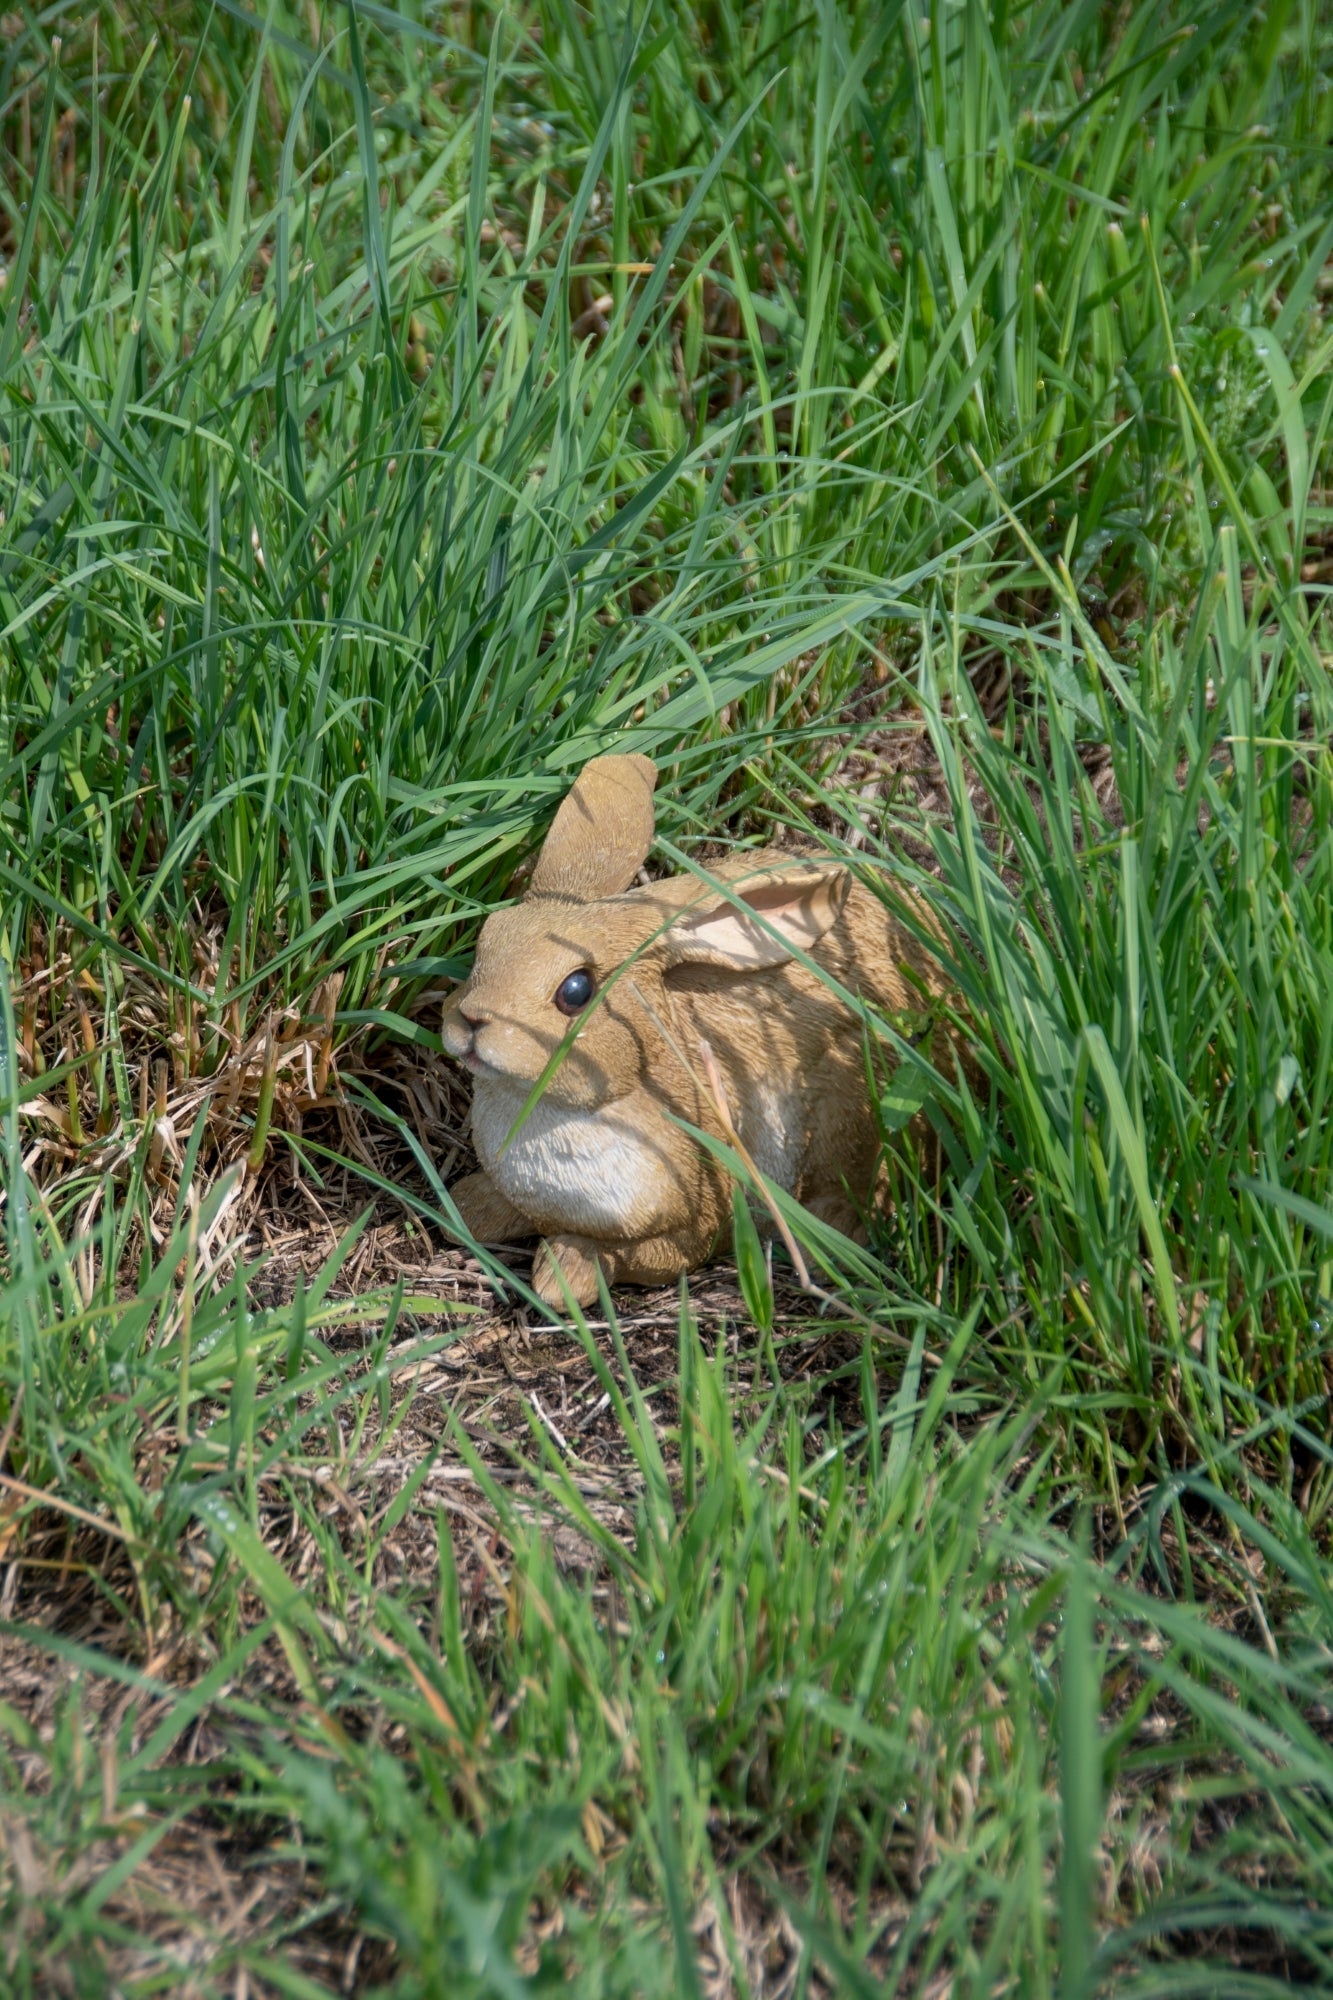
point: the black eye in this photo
(576, 991)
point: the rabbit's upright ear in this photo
(602, 832)
(791, 907)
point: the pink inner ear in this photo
(799, 910)
(769, 898)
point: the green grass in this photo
(397, 408)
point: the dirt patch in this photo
(90, 1675)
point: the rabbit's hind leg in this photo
(490, 1215)
(840, 1212)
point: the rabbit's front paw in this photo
(649, 1260)
(570, 1257)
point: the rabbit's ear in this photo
(793, 907)
(602, 832)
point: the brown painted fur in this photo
(596, 1167)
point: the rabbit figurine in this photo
(626, 983)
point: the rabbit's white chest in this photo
(576, 1170)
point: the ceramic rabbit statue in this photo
(630, 981)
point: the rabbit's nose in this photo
(475, 1016)
(459, 1029)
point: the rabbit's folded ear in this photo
(791, 908)
(602, 832)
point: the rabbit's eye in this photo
(575, 992)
